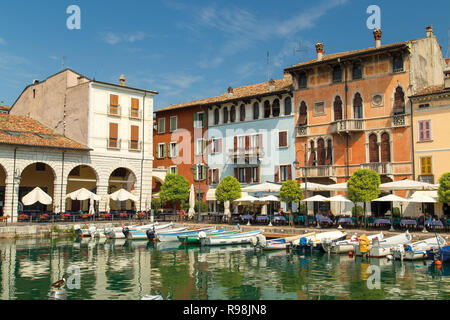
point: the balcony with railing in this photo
(135, 145)
(399, 120)
(114, 110)
(382, 168)
(246, 152)
(316, 171)
(113, 143)
(135, 114)
(347, 125)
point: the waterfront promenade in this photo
(25, 230)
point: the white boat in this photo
(152, 234)
(315, 241)
(141, 234)
(382, 248)
(116, 233)
(237, 238)
(417, 250)
(173, 236)
(345, 246)
(274, 244)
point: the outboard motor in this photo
(303, 242)
(150, 234)
(126, 232)
(201, 235)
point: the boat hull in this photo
(230, 240)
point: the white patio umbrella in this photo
(191, 212)
(268, 199)
(263, 187)
(339, 198)
(123, 195)
(83, 194)
(311, 186)
(406, 184)
(246, 198)
(36, 195)
(335, 187)
(318, 198)
(391, 198)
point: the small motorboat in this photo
(238, 238)
(274, 244)
(116, 233)
(140, 233)
(383, 248)
(173, 236)
(152, 234)
(417, 250)
(195, 239)
(345, 246)
(315, 241)
(442, 254)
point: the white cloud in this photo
(115, 38)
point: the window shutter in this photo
(203, 146)
(235, 143)
(248, 174)
(260, 140)
(427, 130)
(195, 120)
(157, 152)
(289, 172)
(236, 173)
(247, 142)
(210, 176)
(217, 175)
(196, 173)
(373, 148)
(134, 103)
(277, 173)
(421, 131)
(176, 170)
(113, 130)
(321, 152)
(164, 151)
(385, 148)
(204, 120)
(282, 139)
(169, 150)
(134, 133)
(114, 100)
(219, 146)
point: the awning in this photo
(123, 195)
(36, 195)
(211, 195)
(83, 194)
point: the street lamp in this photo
(297, 166)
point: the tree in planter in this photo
(363, 186)
(290, 192)
(174, 189)
(229, 189)
(444, 188)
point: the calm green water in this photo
(130, 270)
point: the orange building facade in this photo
(179, 145)
(352, 109)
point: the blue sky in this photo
(190, 50)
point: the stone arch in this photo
(303, 113)
(357, 95)
(129, 182)
(336, 107)
(79, 176)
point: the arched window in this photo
(329, 159)
(399, 101)
(216, 116)
(357, 106)
(266, 109)
(312, 155)
(225, 115)
(242, 112)
(385, 148)
(373, 148)
(337, 108)
(287, 106)
(276, 108)
(321, 153)
(233, 114)
(302, 80)
(337, 73)
(256, 111)
(303, 116)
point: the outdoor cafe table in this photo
(279, 218)
(323, 219)
(345, 220)
(406, 222)
(382, 221)
(262, 218)
(436, 223)
(248, 217)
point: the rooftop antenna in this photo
(300, 49)
(268, 66)
(63, 62)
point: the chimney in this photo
(122, 81)
(271, 84)
(429, 31)
(230, 91)
(377, 36)
(319, 49)
(35, 81)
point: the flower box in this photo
(44, 216)
(105, 215)
(65, 216)
(142, 214)
(4, 218)
(85, 215)
(123, 215)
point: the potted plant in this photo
(65, 216)
(44, 216)
(123, 215)
(142, 215)
(85, 215)
(105, 215)
(4, 218)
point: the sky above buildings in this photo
(193, 49)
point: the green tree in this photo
(290, 192)
(363, 186)
(444, 188)
(229, 189)
(174, 189)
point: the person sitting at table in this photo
(330, 215)
(421, 220)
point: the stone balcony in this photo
(347, 125)
(399, 120)
(316, 172)
(382, 168)
(301, 131)
(246, 152)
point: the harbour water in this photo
(128, 270)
